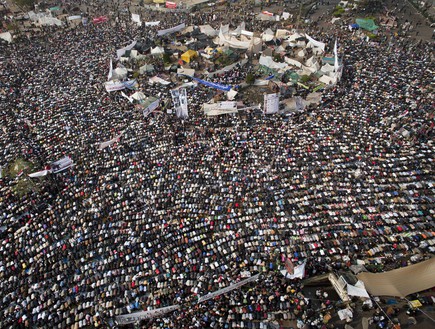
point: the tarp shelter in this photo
(147, 68)
(366, 24)
(189, 55)
(401, 282)
(267, 35)
(183, 71)
(208, 30)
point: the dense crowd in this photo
(175, 210)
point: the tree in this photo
(250, 78)
(25, 3)
(370, 6)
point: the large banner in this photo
(299, 103)
(61, 165)
(220, 108)
(115, 139)
(74, 17)
(135, 317)
(99, 20)
(271, 103)
(122, 51)
(150, 108)
(335, 56)
(213, 85)
(152, 23)
(227, 289)
(179, 99)
(171, 5)
(171, 30)
(114, 86)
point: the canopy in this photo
(401, 282)
(189, 55)
(366, 24)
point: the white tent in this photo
(301, 53)
(49, 21)
(314, 43)
(269, 62)
(208, 30)
(293, 62)
(357, 290)
(327, 68)
(157, 51)
(280, 33)
(312, 63)
(189, 72)
(327, 80)
(6, 36)
(294, 36)
(267, 35)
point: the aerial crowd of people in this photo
(175, 210)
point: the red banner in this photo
(99, 20)
(171, 5)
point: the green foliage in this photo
(372, 36)
(25, 186)
(166, 58)
(278, 58)
(136, 74)
(250, 78)
(25, 3)
(304, 78)
(12, 27)
(17, 166)
(338, 11)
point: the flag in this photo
(100, 19)
(298, 272)
(130, 99)
(39, 173)
(109, 76)
(289, 266)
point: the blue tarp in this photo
(213, 85)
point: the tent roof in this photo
(401, 282)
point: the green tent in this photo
(366, 24)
